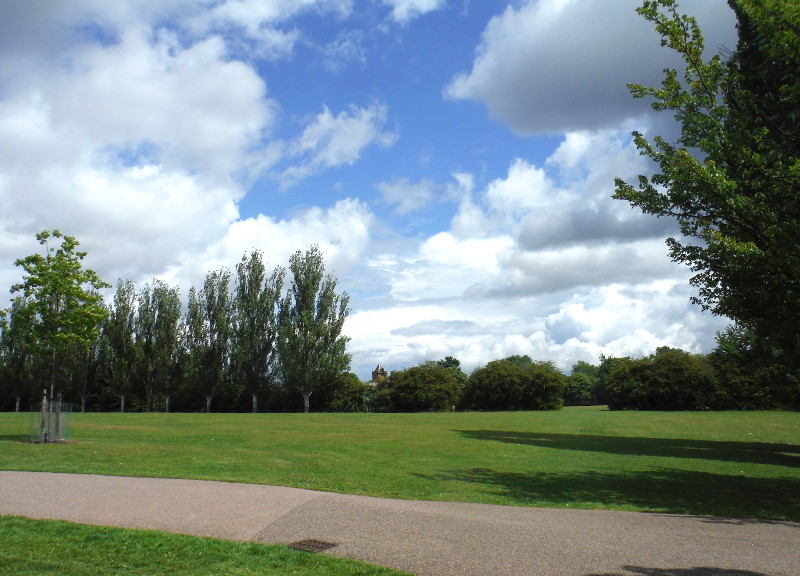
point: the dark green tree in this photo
(350, 394)
(515, 383)
(209, 325)
(454, 365)
(582, 384)
(670, 379)
(428, 387)
(118, 345)
(255, 333)
(16, 352)
(66, 308)
(732, 178)
(750, 374)
(158, 339)
(312, 351)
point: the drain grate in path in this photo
(312, 545)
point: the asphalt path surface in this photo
(426, 538)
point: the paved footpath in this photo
(426, 538)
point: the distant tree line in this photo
(244, 343)
(240, 344)
(736, 375)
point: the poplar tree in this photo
(157, 338)
(208, 325)
(254, 352)
(312, 351)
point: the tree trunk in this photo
(83, 404)
(166, 407)
(306, 401)
(58, 417)
(49, 399)
(122, 403)
(208, 404)
(42, 422)
(16, 409)
(255, 403)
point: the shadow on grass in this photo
(700, 571)
(15, 438)
(750, 452)
(671, 491)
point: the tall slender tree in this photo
(312, 351)
(119, 358)
(256, 323)
(65, 305)
(156, 327)
(209, 324)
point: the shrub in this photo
(424, 388)
(670, 379)
(351, 395)
(515, 383)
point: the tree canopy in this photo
(312, 350)
(62, 298)
(732, 178)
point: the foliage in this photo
(750, 376)
(732, 179)
(579, 389)
(118, 347)
(208, 325)
(312, 352)
(350, 394)
(515, 383)
(427, 387)
(62, 298)
(17, 369)
(670, 379)
(157, 330)
(583, 385)
(254, 351)
(454, 365)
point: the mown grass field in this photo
(36, 547)
(739, 464)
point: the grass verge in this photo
(47, 547)
(739, 464)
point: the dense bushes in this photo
(428, 387)
(670, 379)
(515, 383)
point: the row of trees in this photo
(735, 376)
(233, 344)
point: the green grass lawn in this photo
(740, 464)
(37, 547)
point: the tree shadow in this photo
(666, 490)
(699, 571)
(746, 452)
(15, 438)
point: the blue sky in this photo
(454, 160)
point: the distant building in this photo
(379, 374)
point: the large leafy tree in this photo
(732, 178)
(65, 306)
(312, 351)
(255, 332)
